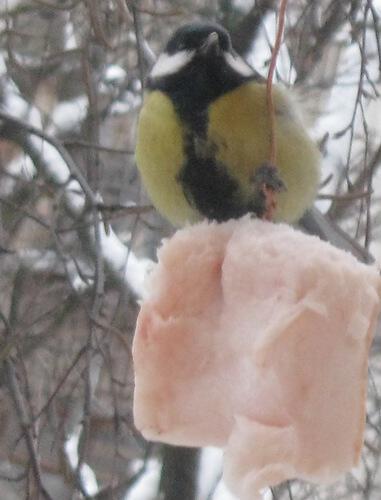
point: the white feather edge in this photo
(168, 64)
(238, 64)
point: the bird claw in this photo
(268, 175)
(267, 184)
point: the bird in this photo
(203, 135)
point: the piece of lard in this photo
(255, 338)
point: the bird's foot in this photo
(267, 184)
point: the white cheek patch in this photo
(167, 64)
(238, 64)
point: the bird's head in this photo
(197, 47)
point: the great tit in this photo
(204, 135)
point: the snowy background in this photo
(78, 236)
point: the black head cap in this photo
(197, 66)
(193, 36)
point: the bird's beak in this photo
(211, 46)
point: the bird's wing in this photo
(316, 223)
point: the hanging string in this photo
(269, 84)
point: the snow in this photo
(76, 281)
(121, 260)
(17, 106)
(75, 195)
(125, 261)
(57, 168)
(114, 74)
(128, 102)
(243, 5)
(70, 40)
(20, 167)
(69, 115)
(336, 114)
(147, 486)
(88, 477)
(260, 54)
(210, 470)
(209, 481)
(9, 5)
(3, 68)
(71, 448)
(37, 260)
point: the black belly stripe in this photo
(208, 186)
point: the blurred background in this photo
(78, 235)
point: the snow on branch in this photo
(53, 161)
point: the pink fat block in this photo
(255, 338)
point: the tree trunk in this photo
(179, 473)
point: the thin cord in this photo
(269, 84)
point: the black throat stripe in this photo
(206, 183)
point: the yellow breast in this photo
(159, 157)
(238, 132)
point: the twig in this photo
(274, 494)
(13, 479)
(143, 49)
(96, 23)
(109, 213)
(92, 121)
(139, 43)
(338, 211)
(127, 209)
(359, 95)
(289, 489)
(333, 17)
(54, 5)
(27, 214)
(178, 11)
(345, 197)
(60, 384)
(93, 367)
(24, 421)
(99, 147)
(376, 20)
(123, 9)
(248, 28)
(367, 200)
(118, 492)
